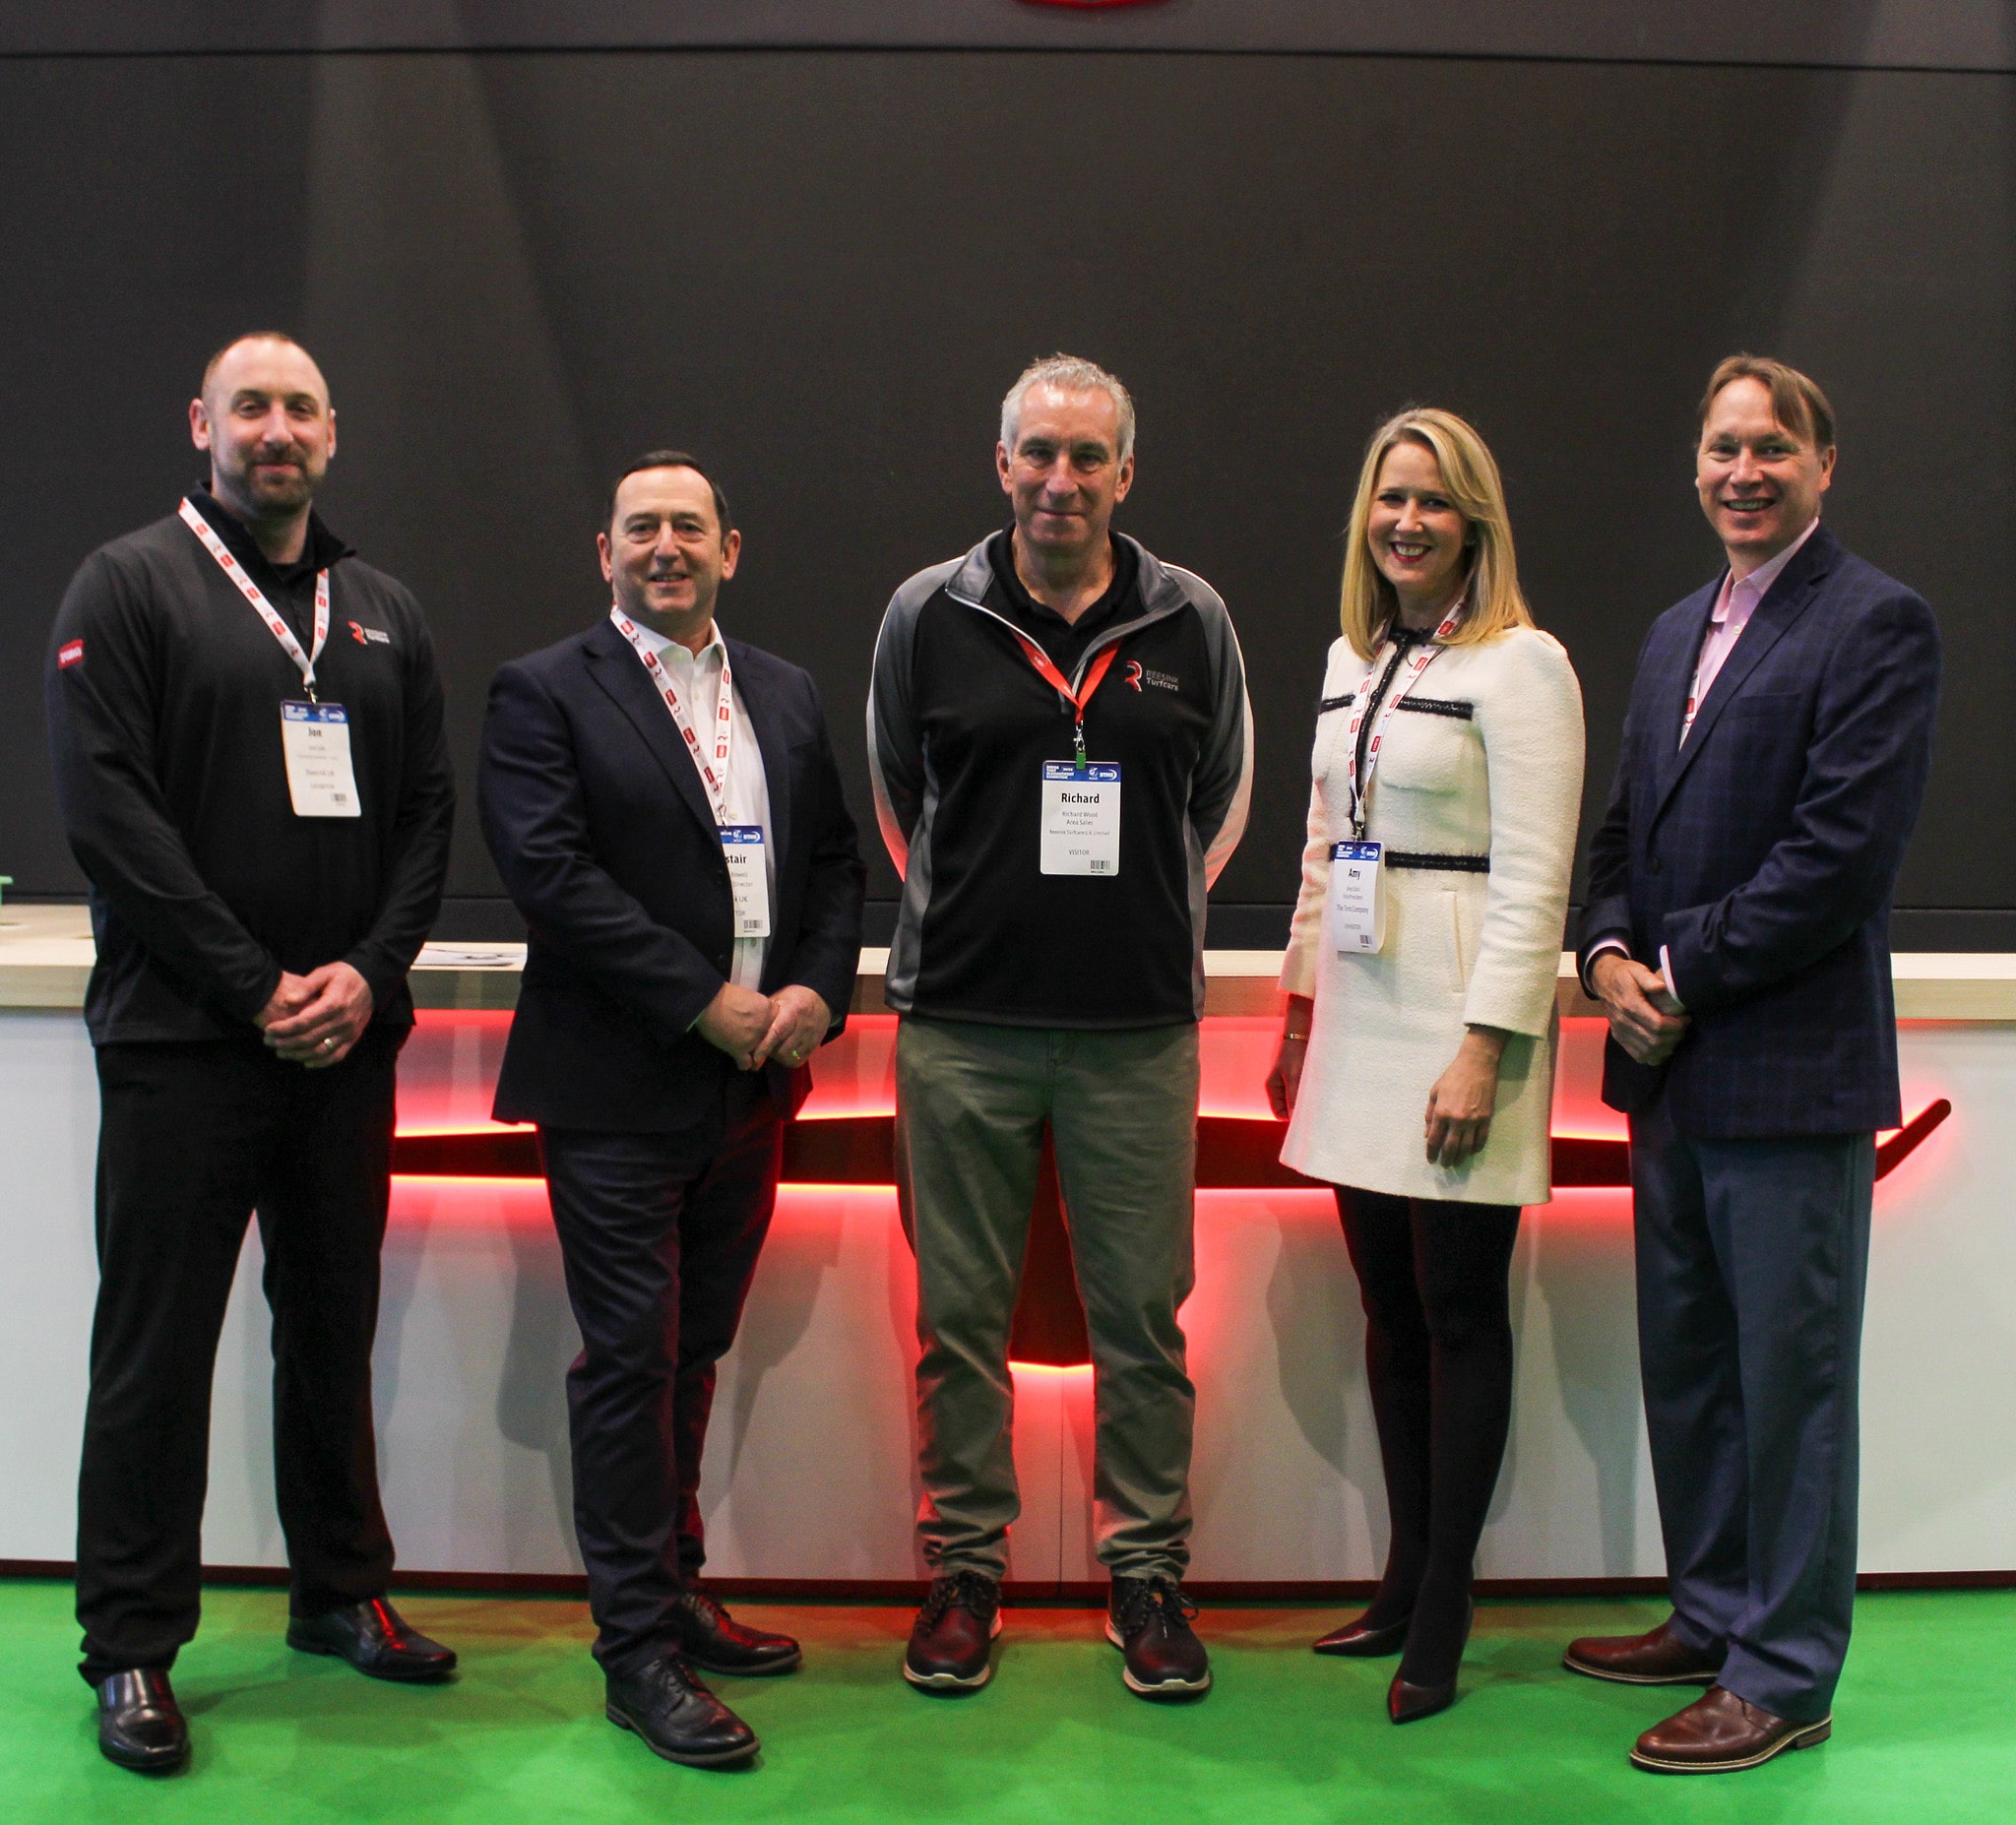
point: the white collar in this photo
(681, 655)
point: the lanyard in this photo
(1362, 760)
(716, 775)
(1050, 675)
(281, 632)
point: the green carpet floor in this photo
(1925, 1727)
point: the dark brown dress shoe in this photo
(713, 1640)
(375, 1639)
(952, 1639)
(1720, 1732)
(140, 1725)
(1656, 1658)
(677, 1718)
(1149, 1620)
(1363, 1643)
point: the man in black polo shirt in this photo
(1061, 750)
(246, 728)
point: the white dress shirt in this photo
(696, 681)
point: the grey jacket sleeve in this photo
(895, 743)
(1222, 787)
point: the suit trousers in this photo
(1752, 1264)
(192, 1138)
(660, 1252)
(971, 1104)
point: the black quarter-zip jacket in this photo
(163, 690)
(960, 725)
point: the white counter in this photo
(810, 1473)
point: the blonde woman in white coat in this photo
(1417, 1061)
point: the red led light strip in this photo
(855, 1151)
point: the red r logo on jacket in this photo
(1134, 673)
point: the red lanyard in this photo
(724, 715)
(1050, 675)
(1413, 667)
(281, 631)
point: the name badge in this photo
(742, 847)
(1357, 898)
(1080, 819)
(316, 740)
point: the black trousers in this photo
(192, 1139)
(1439, 1357)
(658, 1254)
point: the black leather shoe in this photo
(1363, 1643)
(712, 1639)
(140, 1725)
(375, 1639)
(1149, 1622)
(665, 1703)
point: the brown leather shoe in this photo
(1656, 1658)
(1720, 1732)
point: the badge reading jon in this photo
(1357, 898)
(742, 847)
(1081, 813)
(316, 740)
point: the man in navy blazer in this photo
(1774, 760)
(664, 808)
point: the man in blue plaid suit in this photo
(1774, 760)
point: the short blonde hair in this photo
(1470, 477)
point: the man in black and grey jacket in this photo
(1062, 753)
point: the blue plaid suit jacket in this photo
(1763, 852)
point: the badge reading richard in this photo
(1357, 898)
(1080, 819)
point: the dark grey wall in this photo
(820, 269)
(1941, 35)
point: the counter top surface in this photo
(46, 952)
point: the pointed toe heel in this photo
(1358, 1642)
(1406, 1703)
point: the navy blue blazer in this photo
(1762, 853)
(602, 831)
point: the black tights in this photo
(1439, 1356)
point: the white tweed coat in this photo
(1484, 757)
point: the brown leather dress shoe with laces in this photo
(1656, 1658)
(1720, 1732)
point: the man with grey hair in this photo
(1061, 750)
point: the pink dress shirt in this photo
(1733, 610)
(1733, 607)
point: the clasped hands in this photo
(752, 1029)
(1645, 1019)
(314, 1020)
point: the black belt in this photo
(1442, 864)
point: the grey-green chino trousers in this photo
(971, 1103)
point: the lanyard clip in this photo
(1078, 740)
